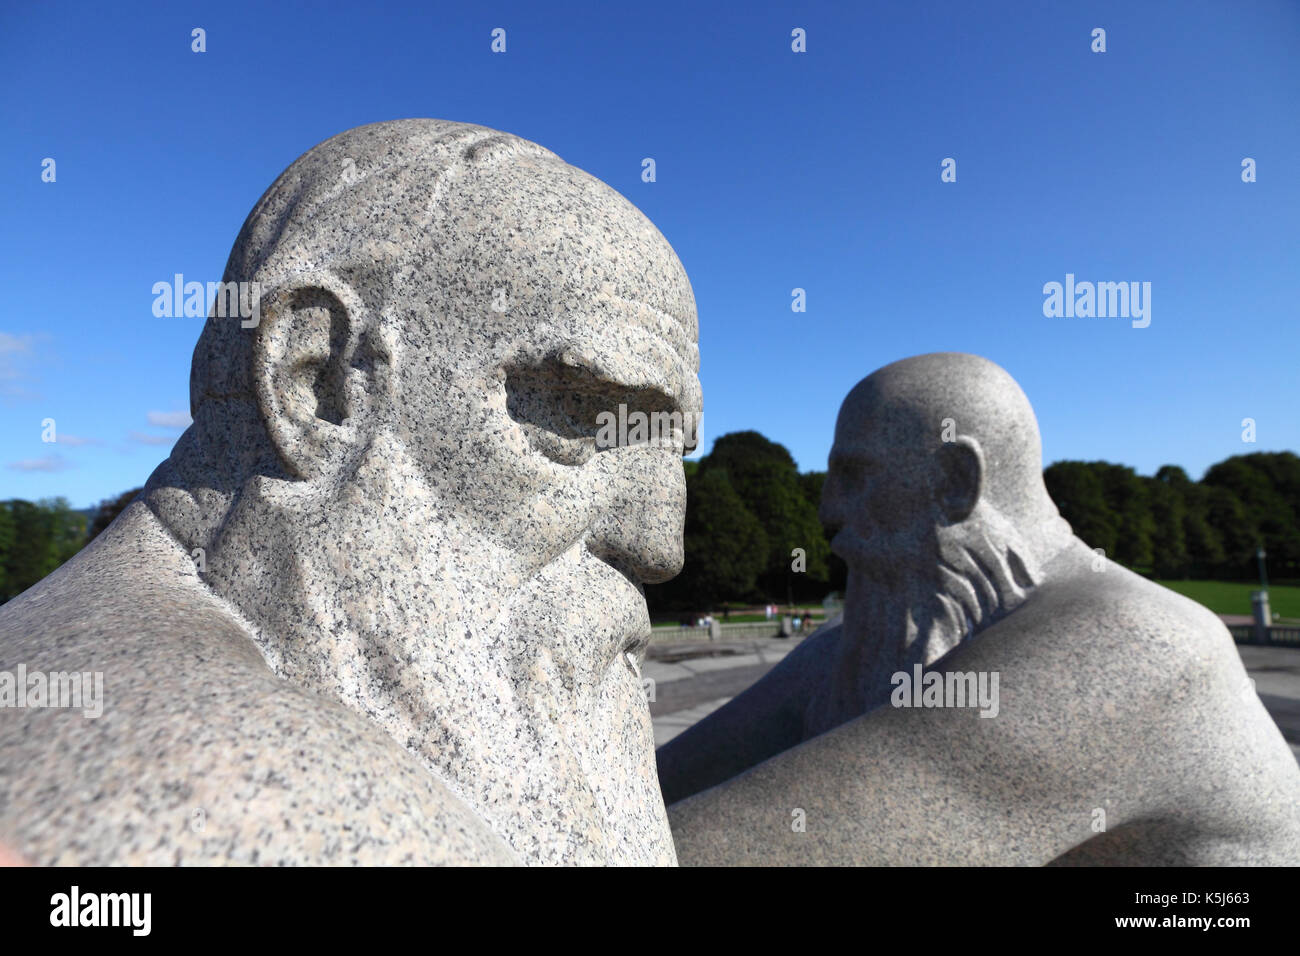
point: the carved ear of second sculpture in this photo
(996, 693)
(382, 602)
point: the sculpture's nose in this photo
(642, 513)
(830, 511)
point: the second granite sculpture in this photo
(997, 692)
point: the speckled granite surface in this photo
(383, 602)
(1122, 730)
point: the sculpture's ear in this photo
(961, 477)
(314, 371)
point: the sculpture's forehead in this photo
(874, 423)
(574, 266)
(557, 230)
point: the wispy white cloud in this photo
(76, 441)
(10, 343)
(146, 439)
(170, 419)
(15, 352)
(47, 463)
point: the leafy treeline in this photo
(35, 538)
(1178, 528)
(749, 508)
(38, 536)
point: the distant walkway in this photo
(1276, 672)
(687, 691)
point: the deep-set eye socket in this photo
(566, 412)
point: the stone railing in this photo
(1274, 635)
(742, 631)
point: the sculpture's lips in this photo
(637, 640)
(629, 620)
(849, 545)
(875, 560)
(636, 637)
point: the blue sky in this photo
(775, 170)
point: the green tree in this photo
(31, 556)
(1268, 487)
(765, 476)
(724, 548)
(748, 507)
(6, 546)
(1126, 495)
(1169, 536)
(44, 535)
(811, 484)
(108, 510)
(1235, 529)
(1077, 490)
(1205, 552)
(815, 586)
(725, 543)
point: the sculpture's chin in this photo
(591, 612)
(878, 559)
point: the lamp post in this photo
(1259, 602)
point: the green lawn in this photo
(1232, 597)
(1221, 597)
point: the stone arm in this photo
(925, 786)
(757, 724)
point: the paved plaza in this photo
(689, 689)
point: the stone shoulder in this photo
(200, 754)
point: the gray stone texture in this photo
(383, 602)
(1125, 729)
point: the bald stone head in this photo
(920, 443)
(394, 474)
(936, 502)
(448, 271)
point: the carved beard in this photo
(905, 606)
(379, 598)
